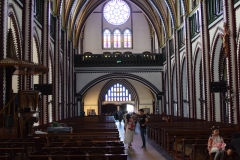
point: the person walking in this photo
(143, 126)
(129, 128)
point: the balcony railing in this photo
(100, 60)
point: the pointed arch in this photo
(80, 20)
(107, 38)
(238, 64)
(16, 80)
(36, 57)
(127, 38)
(174, 91)
(120, 76)
(216, 56)
(123, 82)
(38, 44)
(184, 111)
(17, 30)
(117, 40)
(166, 109)
(198, 89)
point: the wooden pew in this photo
(80, 156)
(13, 150)
(168, 135)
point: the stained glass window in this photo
(116, 12)
(117, 38)
(106, 38)
(118, 93)
(127, 38)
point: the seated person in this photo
(216, 144)
(168, 119)
(235, 144)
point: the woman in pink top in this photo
(216, 144)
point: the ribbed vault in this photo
(76, 13)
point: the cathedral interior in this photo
(62, 60)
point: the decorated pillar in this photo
(27, 22)
(188, 49)
(56, 66)
(45, 57)
(178, 76)
(70, 82)
(168, 62)
(207, 108)
(3, 44)
(230, 51)
(64, 77)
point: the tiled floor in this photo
(151, 152)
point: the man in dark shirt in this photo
(235, 144)
(143, 126)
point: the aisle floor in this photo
(151, 152)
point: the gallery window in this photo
(117, 38)
(127, 38)
(106, 38)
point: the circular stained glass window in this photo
(116, 12)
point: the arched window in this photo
(118, 92)
(117, 38)
(127, 38)
(106, 38)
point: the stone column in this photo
(188, 49)
(3, 44)
(168, 62)
(70, 86)
(27, 22)
(45, 57)
(205, 60)
(56, 66)
(178, 72)
(64, 78)
(230, 49)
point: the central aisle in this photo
(137, 153)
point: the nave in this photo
(151, 152)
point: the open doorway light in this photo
(130, 108)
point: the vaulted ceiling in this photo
(76, 12)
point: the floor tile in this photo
(151, 152)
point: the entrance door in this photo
(109, 108)
(89, 111)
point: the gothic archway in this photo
(198, 97)
(185, 110)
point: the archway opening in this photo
(130, 108)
